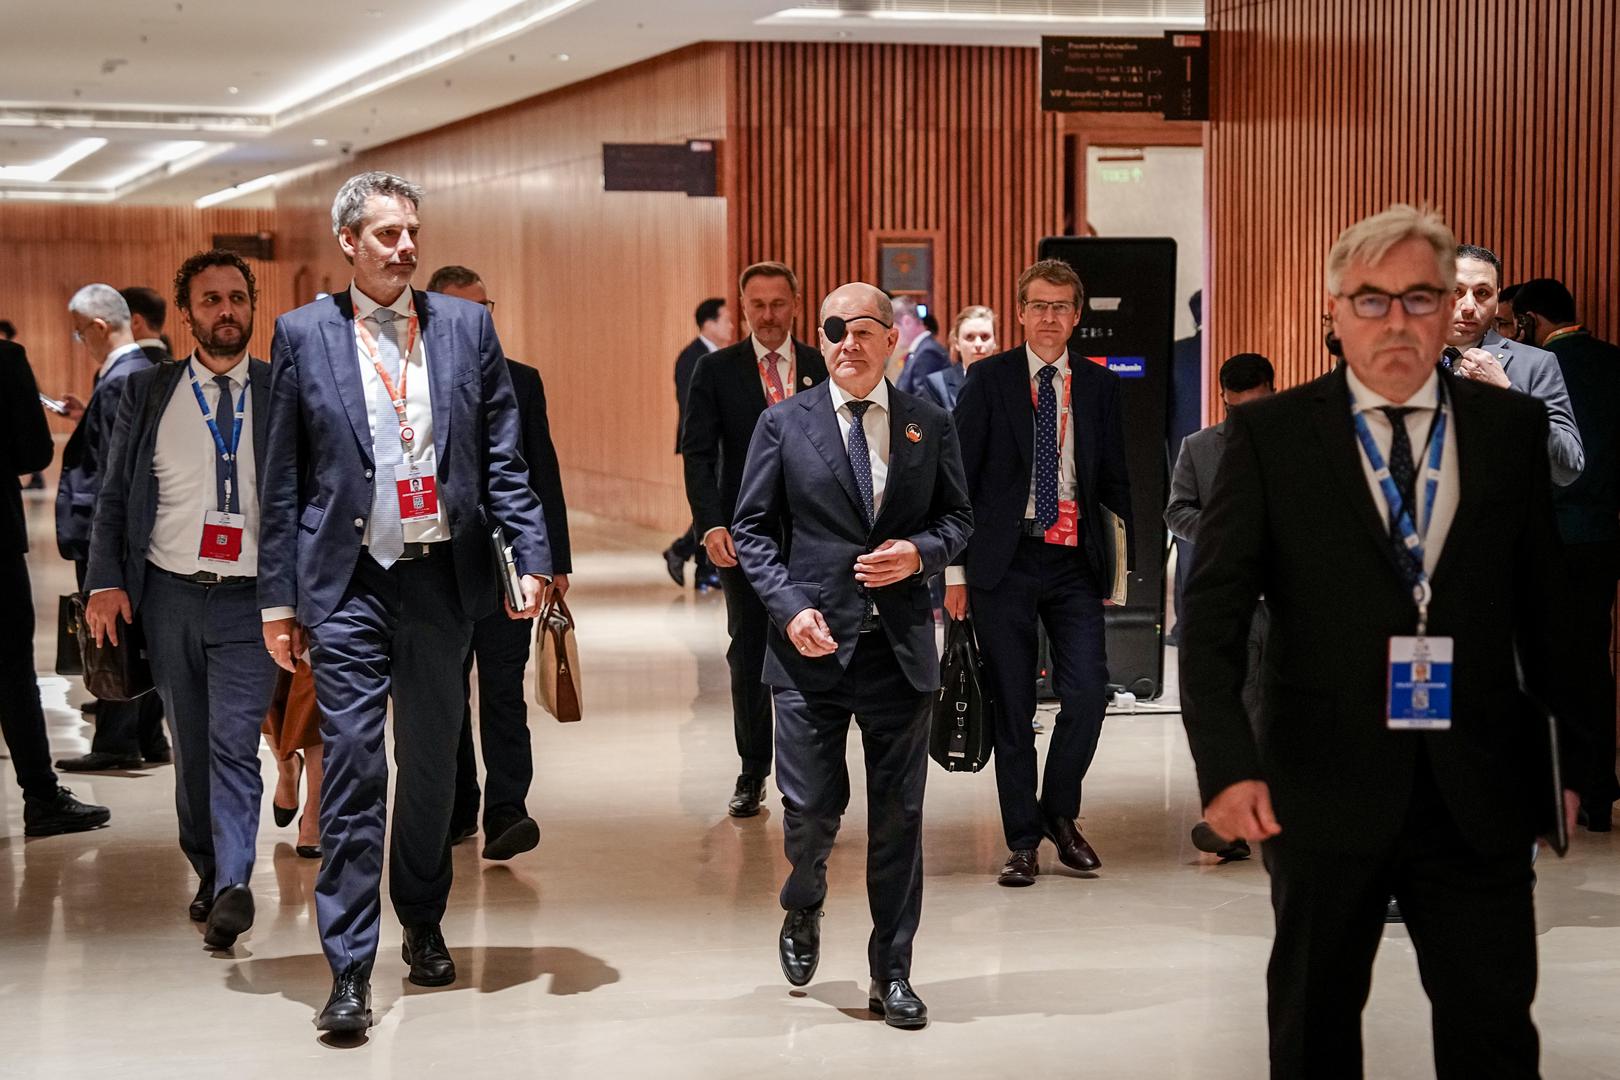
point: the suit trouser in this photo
(396, 633)
(22, 718)
(747, 624)
(206, 644)
(1472, 924)
(500, 645)
(126, 728)
(1592, 573)
(812, 738)
(1054, 585)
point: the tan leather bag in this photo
(557, 675)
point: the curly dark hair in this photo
(202, 261)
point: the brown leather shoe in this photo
(1072, 849)
(1021, 869)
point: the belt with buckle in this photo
(1031, 527)
(202, 577)
(412, 552)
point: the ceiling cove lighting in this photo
(42, 172)
(235, 191)
(823, 15)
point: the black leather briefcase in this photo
(963, 723)
(113, 672)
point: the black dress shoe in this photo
(1208, 840)
(158, 755)
(462, 832)
(706, 582)
(100, 761)
(1392, 913)
(424, 949)
(510, 835)
(348, 1010)
(231, 917)
(800, 944)
(897, 1003)
(1596, 817)
(676, 565)
(1072, 849)
(203, 902)
(746, 799)
(61, 813)
(1021, 869)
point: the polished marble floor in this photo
(638, 940)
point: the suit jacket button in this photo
(359, 523)
(368, 474)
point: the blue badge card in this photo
(1420, 683)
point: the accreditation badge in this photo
(1420, 683)
(220, 548)
(1066, 531)
(417, 483)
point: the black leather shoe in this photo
(61, 813)
(348, 1010)
(676, 565)
(511, 835)
(746, 799)
(230, 918)
(800, 944)
(1596, 817)
(1072, 849)
(1392, 913)
(707, 582)
(1207, 840)
(1021, 869)
(424, 949)
(100, 761)
(161, 754)
(461, 832)
(897, 1003)
(203, 902)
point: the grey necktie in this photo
(387, 534)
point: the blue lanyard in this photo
(227, 454)
(1404, 516)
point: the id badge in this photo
(1420, 683)
(221, 544)
(1066, 531)
(417, 484)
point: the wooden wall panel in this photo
(596, 289)
(1503, 116)
(834, 142)
(48, 251)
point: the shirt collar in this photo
(760, 351)
(238, 374)
(1364, 399)
(1036, 363)
(150, 343)
(879, 395)
(707, 344)
(916, 341)
(112, 357)
(404, 304)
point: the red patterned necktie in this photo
(773, 380)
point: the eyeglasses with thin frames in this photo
(1041, 308)
(1375, 303)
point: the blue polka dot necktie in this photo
(1402, 470)
(227, 497)
(1046, 449)
(860, 459)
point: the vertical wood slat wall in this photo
(1324, 112)
(833, 142)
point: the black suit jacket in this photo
(127, 507)
(685, 364)
(722, 405)
(157, 354)
(545, 475)
(996, 421)
(25, 443)
(799, 529)
(1291, 517)
(84, 457)
(1589, 509)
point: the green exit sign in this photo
(1121, 174)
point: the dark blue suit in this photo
(1015, 579)
(204, 640)
(798, 530)
(402, 631)
(927, 358)
(944, 387)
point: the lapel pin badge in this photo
(914, 433)
(805, 381)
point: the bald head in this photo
(856, 360)
(861, 298)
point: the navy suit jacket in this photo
(944, 387)
(127, 508)
(928, 357)
(799, 529)
(85, 456)
(315, 496)
(996, 421)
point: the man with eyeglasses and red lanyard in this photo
(393, 454)
(1043, 445)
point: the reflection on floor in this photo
(638, 941)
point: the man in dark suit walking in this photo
(924, 354)
(730, 388)
(25, 447)
(176, 545)
(714, 331)
(500, 646)
(1399, 523)
(148, 312)
(853, 497)
(393, 451)
(1044, 449)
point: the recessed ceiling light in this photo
(233, 90)
(562, 56)
(318, 142)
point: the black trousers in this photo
(22, 719)
(500, 647)
(747, 623)
(1593, 570)
(126, 728)
(1054, 585)
(812, 737)
(1472, 923)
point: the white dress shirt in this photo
(112, 358)
(707, 344)
(1066, 477)
(418, 401)
(876, 425)
(184, 461)
(784, 366)
(1422, 404)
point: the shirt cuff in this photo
(711, 532)
(956, 575)
(274, 613)
(104, 588)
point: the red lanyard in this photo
(396, 395)
(1063, 419)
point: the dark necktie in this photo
(1046, 449)
(225, 462)
(860, 459)
(1403, 471)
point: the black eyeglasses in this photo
(1374, 303)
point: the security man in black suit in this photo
(715, 328)
(148, 312)
(500, 645)
(1044, 449)
(730, 388)
(1399, 522)
(852, 499)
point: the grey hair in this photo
(1370, 239)
(102, 302)
(349, 208)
